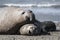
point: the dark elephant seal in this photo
(29, 29)
(45, 27)
(11, 19)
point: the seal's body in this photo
(11, 16)
(29, 29)
(48, 26)
(45, 27)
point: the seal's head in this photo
(29, 29)
(25, 15)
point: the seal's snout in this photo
(32, 30)
(29, 15)
(32, 15)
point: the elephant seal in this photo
(45, 27)
(29, 29)
(11, 19)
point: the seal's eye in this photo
(23, 12)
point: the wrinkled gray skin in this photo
(29, 29)
(11, 19)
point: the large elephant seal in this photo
(11, 19)
(29, 29)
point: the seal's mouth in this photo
(32, 33)
(29, 19)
